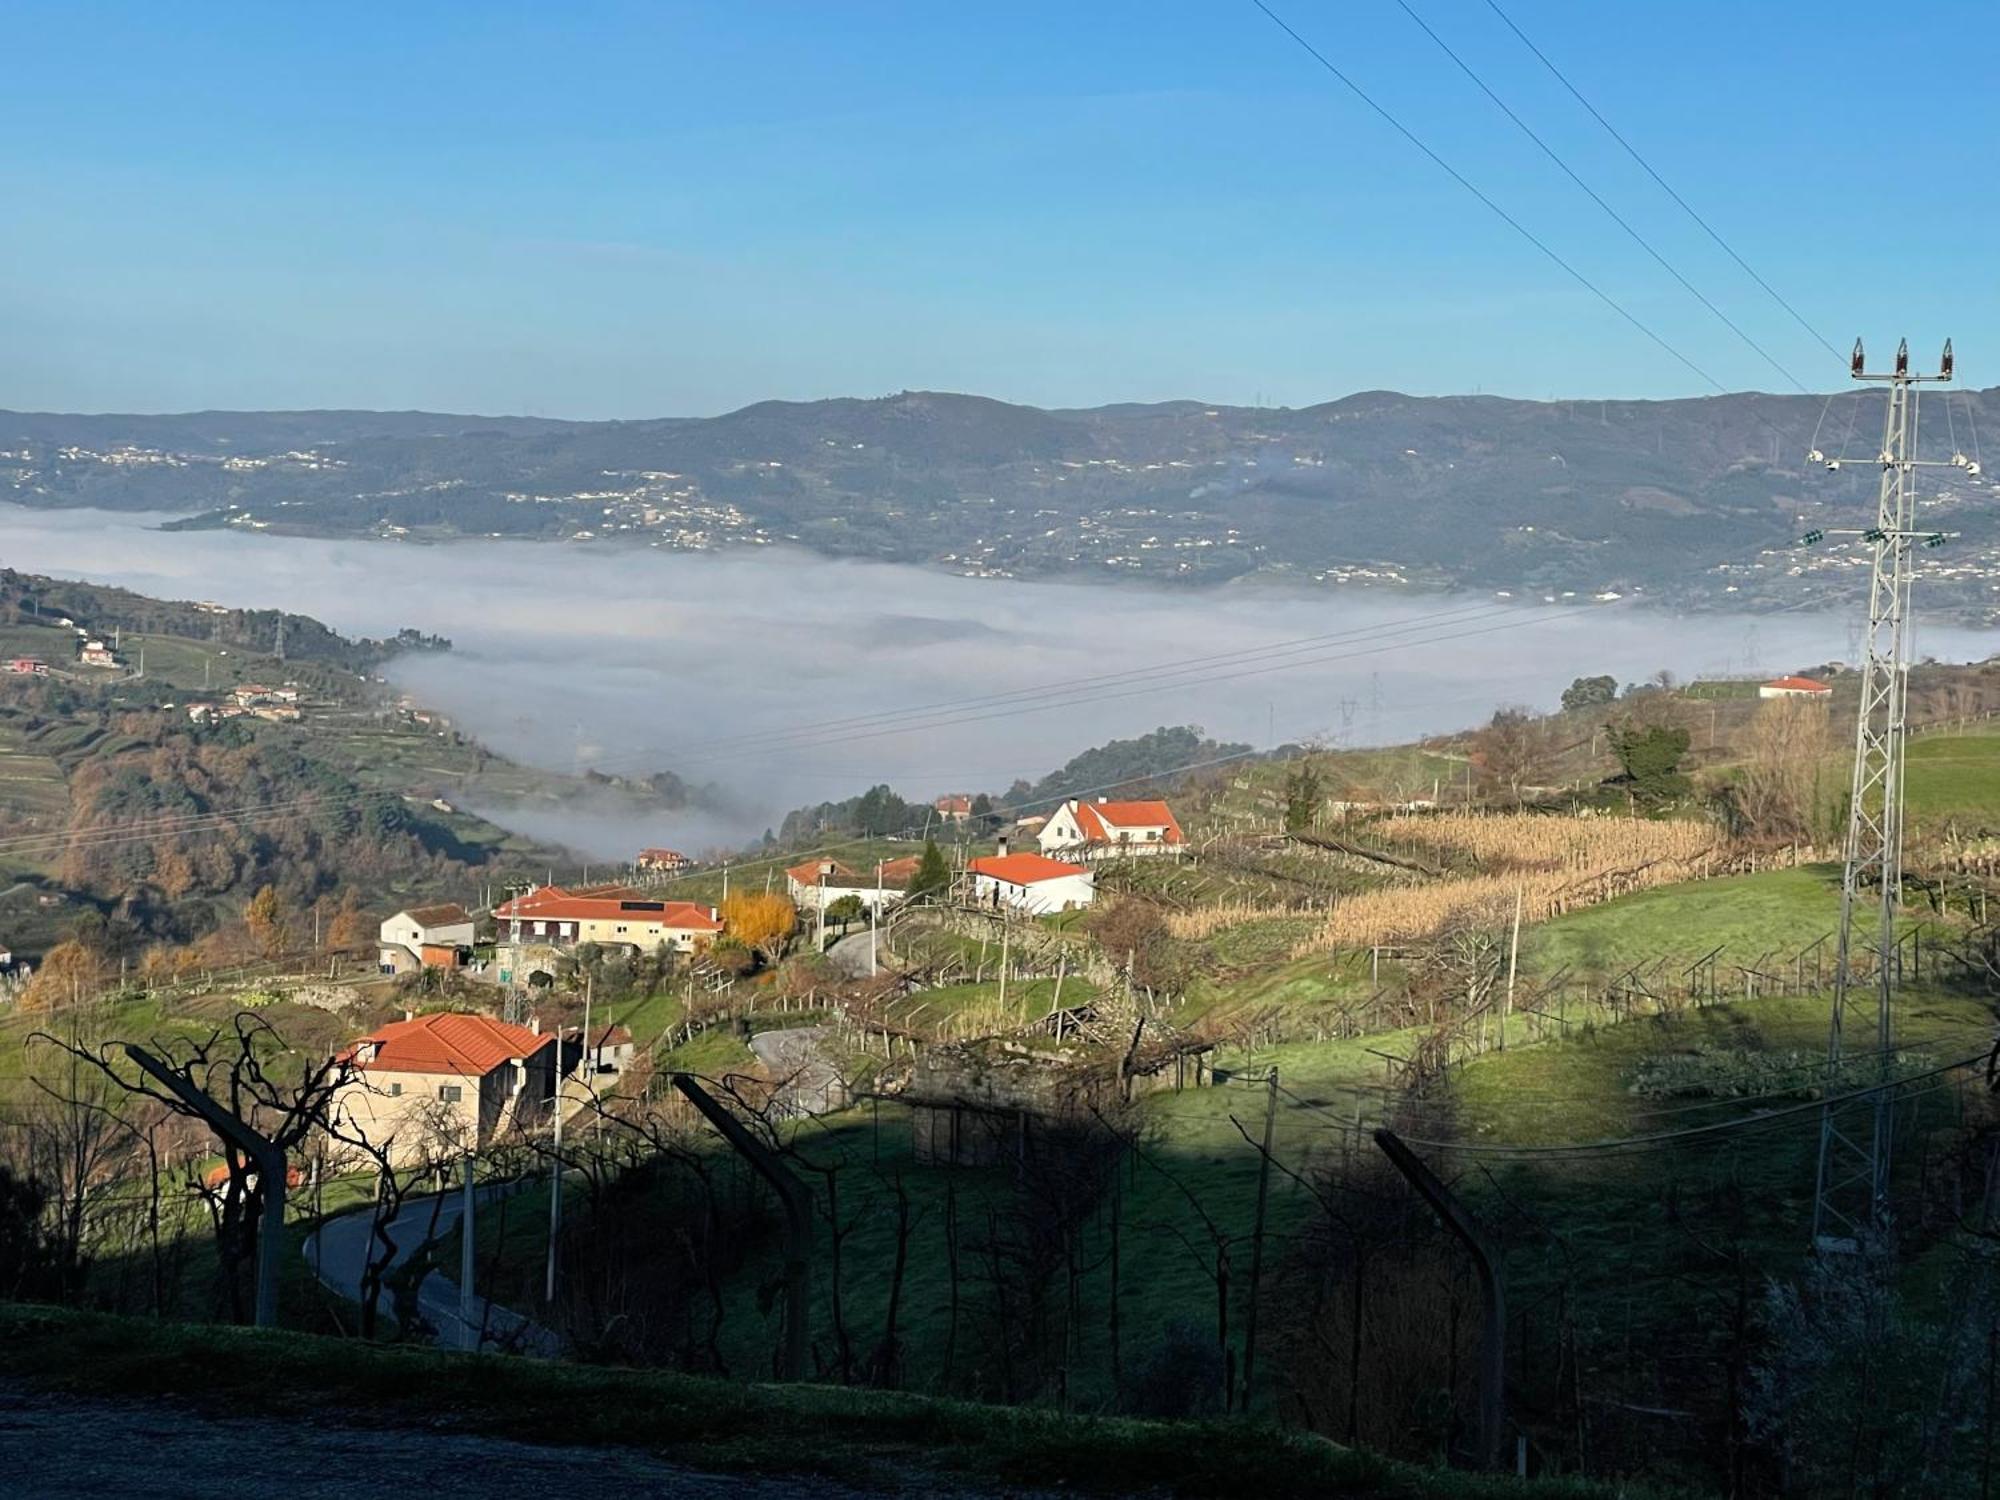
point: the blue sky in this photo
(610, 210)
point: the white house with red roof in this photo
(609, 916)
(1794, 687)
(1099, 828)
(1032, 883)
(954, 807)
(815, 884)
(447, 1081)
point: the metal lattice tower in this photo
(1851, 1194)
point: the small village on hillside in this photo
(1116, 1039)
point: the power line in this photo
(1665, 186)
(1465, 182)
(1595, 197)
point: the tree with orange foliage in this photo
(760, 921)
(69, 970)
(264, 918)
(349, 928)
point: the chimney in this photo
(535, 1025)
(1003, 846)
(714, 915)
(409, 1015)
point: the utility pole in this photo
(875, 922)
(1851, 1187)
(1257, 1235)
(555, 1171)
(468, 1324)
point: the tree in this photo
(264, 918)
(1784, 754)
(1589, 692)
(760, 921)
(984, 818)
(1304, 789)
(68, 971)
(846, 911)
(1650, 756)
(933, 877)
(1510, 750)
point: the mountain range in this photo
(1693, 502)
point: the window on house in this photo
(450, 1093)
(395, 1091)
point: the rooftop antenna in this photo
(1851, 1189)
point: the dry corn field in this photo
(1205, 921)
(1554, 864)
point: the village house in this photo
(1033, 883)
(96, 654)
(956, 808)
(426, 937)
(1794, 687)
(446, 1082)
(662, 862)
(28, 666)
(1102, 829)
(609, 1049)
(818, 883)
(550, 917)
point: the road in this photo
(850, 955)
(68, 1447)
(810, 1085)
(338, 1253)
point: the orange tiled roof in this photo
(553, 903)
(1104, 821)
(1799, 685)
(448, 1042)
(1023, 869)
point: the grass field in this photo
(1955, 775)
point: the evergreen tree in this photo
(933, 877)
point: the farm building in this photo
(818, 883)
(425, 937)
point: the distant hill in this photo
(1674, 498)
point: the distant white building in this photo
(1102, 829)
(1794, 687)
(1033, 883)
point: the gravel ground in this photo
(65, 1448)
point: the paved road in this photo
(64, 1447)
(810, 1084)
(338, 1253)
(850, 955)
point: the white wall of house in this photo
(401, 928)
(1041, 897)
(816, 897)
(1062, 837)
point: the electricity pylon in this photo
(1851, 1193)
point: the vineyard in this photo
(1550, 864)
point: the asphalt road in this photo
(338, 1254)
(62, 1447)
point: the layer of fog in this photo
(572, 656)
